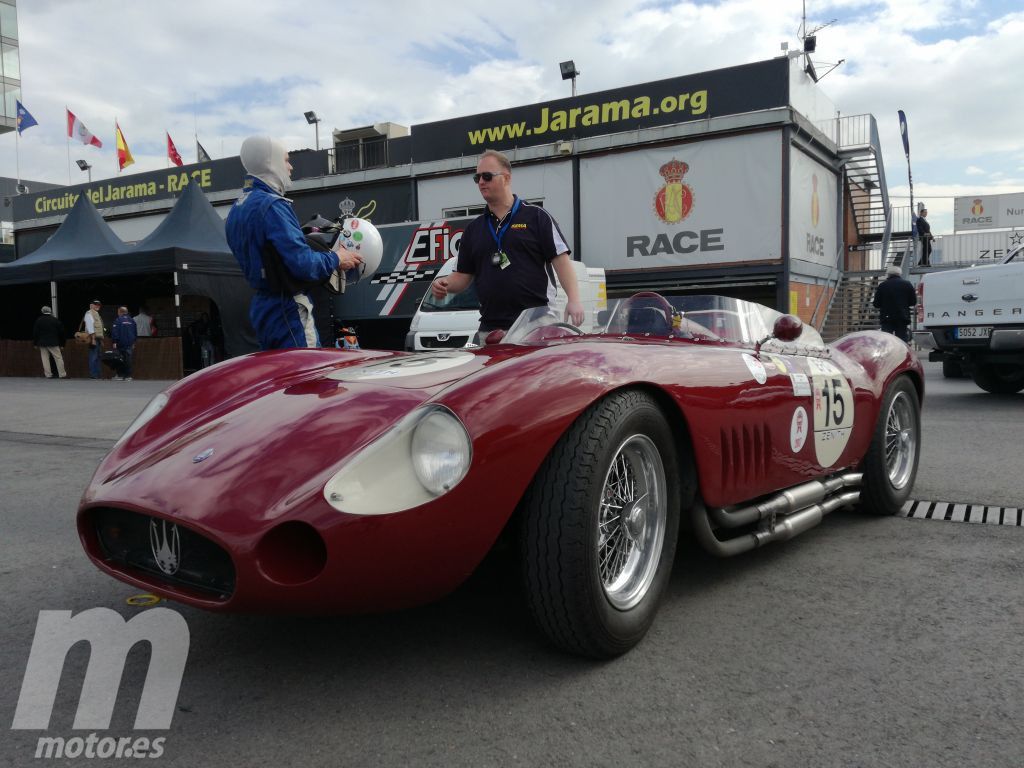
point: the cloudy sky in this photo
(230, 68)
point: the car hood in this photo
(283, 426)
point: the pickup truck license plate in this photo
(973, 332)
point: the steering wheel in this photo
(549, 333)
(659, 302)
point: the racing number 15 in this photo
(835, 405)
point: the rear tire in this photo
(999, 379)
(600, 524)
(951, 369)
(890, 465)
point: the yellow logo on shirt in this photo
(518, 226)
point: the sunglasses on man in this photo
(486, 176)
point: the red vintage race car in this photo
(334, 481)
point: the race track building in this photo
(740, 181)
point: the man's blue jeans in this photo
(95, 356)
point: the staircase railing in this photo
(831, 289)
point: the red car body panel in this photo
(280, 427)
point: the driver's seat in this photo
(647, 320)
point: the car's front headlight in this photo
(422, 457)
(152, 409)
(440, 451)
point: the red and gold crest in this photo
(674, 200)
(977, 209)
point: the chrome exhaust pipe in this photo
(784, 528)
(805, 519)
(787, 502)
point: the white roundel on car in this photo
(798, 428)
(833, 410)
(413, 365)
(756, 368)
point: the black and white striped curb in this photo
(962, 513)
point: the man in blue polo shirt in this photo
(512, 251)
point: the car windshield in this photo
(453, 302)
(648, 314)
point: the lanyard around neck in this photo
(499, 234)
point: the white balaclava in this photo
(264, 158)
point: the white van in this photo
(454, 321)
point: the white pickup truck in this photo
(972, 320)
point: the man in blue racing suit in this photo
(265, 236)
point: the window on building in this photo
(8, 21)
(476, 210)
(12, 94)
(11, 61)
(357, 154)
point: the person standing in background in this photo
(894, 297)
(48, 336)
(924, 232)
(124, 333)
(94, 327)
(143, 322)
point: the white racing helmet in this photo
(360, 236)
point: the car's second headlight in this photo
(422, 457)
(440, 451)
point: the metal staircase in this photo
(850, 306)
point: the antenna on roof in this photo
(810, 44)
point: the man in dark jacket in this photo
(48, 336)
(924, 231)
(894, 298)
(124, 333)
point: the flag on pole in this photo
(25, 119)
(202, 156)
(78, 131)
(905, 134)
(124, 155)
(172, 152)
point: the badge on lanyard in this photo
(500, 258)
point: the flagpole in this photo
(67, 141)
(17, 154)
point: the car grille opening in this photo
(164, 551)
(452, 342)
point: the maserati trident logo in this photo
(165, 544)
(202, 456)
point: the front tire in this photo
(601, 521)
(890, 465)
(999, 380)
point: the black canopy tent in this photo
(189, 243)
(83, 234)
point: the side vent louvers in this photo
(746, 453)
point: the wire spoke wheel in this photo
(900, 440)
(890, 464)
(631, 523)
(600, 523)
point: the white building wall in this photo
(549, 182)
